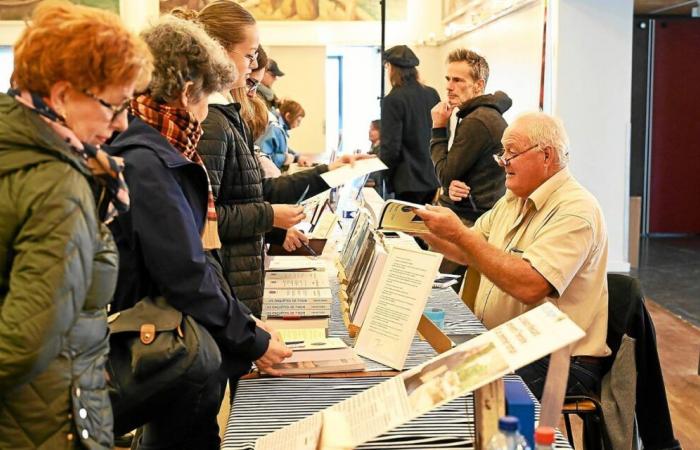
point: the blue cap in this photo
(508, 423)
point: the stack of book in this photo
(297, 297)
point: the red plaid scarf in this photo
(182, 131)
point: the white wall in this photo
(512, 45)
(592, 89)
(304, 81)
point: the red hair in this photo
(88, 47)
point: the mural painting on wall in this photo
(22, 9)
(455, 8)
(322, 10)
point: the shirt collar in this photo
(540, 196)
(220, 98)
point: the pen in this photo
(303, 195)
(309, 249)
(293, 342)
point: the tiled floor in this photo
(669, 269)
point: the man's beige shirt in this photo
(559, 229)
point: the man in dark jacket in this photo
(471, 180)
(406, 126)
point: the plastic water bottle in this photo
(544, 438)
(508, 437)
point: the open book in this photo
(397, 215)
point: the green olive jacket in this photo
(58, 270)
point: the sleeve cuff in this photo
(551, 274)
(439, 133)
(260, 344)
(269, 217)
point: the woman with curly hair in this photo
(169, 239)
(76, 69)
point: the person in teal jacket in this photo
(58, 262)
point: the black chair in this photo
(627, 314)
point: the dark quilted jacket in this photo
(244, 198)
(58, 269)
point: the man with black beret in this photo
(406, 126)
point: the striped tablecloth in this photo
(265, 404)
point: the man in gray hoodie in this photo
(471, 180)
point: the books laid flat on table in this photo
(297, 302)
(279, 263)
(298, 323)
(301, 334)
(323, 356)
(316, 245)
(297, 280)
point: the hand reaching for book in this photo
(276, 353)
(295, 239)
(286, 216)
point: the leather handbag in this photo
(154, 349)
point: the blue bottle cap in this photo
(508, 423)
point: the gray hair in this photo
(546, 130)
(478, 64)
(182, 52)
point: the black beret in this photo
(401, 56)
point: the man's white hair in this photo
(546, 130)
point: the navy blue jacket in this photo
(405, 144)
(160, 247)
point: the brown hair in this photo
(402, 75)
(477, 63)
(294, 109)
(253, 111)
(224, 20)
(262, 59)
(88, 47)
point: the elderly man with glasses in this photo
(545, 240)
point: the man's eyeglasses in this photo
(116, 109)
(503, 160)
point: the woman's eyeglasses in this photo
(251, 57)
(116, 109)
(252, 84)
